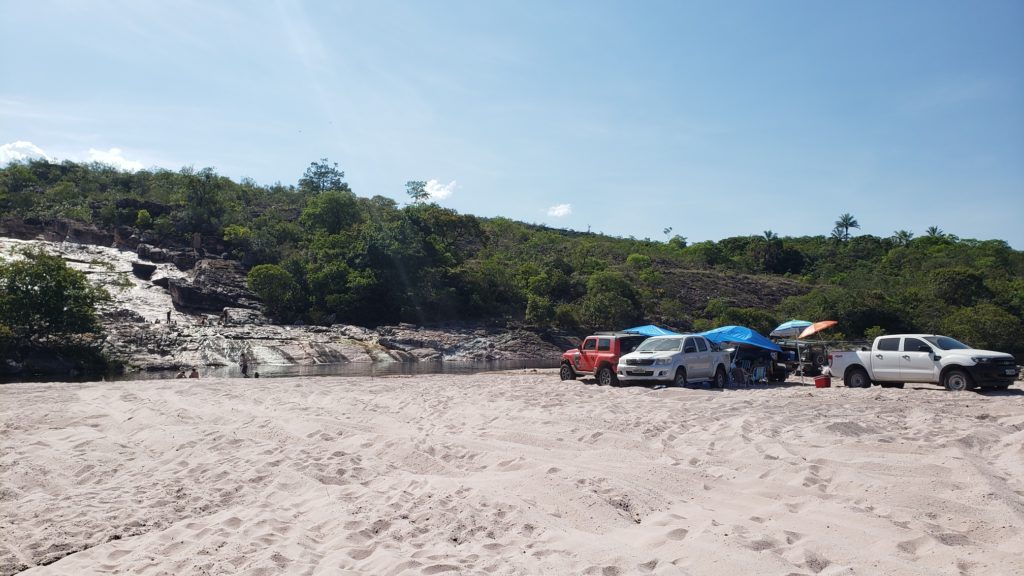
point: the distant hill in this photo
(318, 252)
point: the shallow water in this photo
(371, 369)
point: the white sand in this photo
(513, 473)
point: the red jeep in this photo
(598, 356)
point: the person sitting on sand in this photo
(181, 373)
(194, 373)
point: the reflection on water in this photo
(371, 369)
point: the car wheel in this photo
(956, 380)
(680, 377)
(605, 376)
(720, 378)
(857, 378)
(566, 373)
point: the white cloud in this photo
(560, 210)
(440, 191)
(114, 157)
(20, 150)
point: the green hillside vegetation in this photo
(319, 253)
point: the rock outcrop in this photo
(166, 318)
(215, 285)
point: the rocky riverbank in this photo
(172, 310)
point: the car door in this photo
(885, 359)
(704, 356)
(690, 359)
(588, 354)
(916, 362)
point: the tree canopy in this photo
(321, 253)
(42, 299)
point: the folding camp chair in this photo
(759, 375)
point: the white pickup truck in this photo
(928, 358)
(677, 359)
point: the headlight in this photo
(982, 359)
(662, 361)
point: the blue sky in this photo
(716, 119)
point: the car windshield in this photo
(627, 345)
(661, 345)
(947, 343)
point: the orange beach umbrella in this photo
(817, 327)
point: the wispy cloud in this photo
(440, 191)
(24, 150)
(114, 157)
(560, 210)
(20, 150)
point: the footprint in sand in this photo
(439, 568)
(916, 546)
(677, 534)
(360, 553)
(648, 566)
(815, 562)
(233, 523)
(793, 537)
(762, 544)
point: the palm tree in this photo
(846, 221)
(771, 239)
(934, 232)
(902, 237)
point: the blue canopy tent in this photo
(740, 335)
(652, 330)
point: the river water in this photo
(370, 369)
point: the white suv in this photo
(677, 359)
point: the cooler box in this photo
(822, 381)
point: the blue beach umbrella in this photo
(790, 329)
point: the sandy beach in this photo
(507, 473)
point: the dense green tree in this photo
(985, 326)
(417, 191)
(205, 201)
(959, 286)
(280, 293)
(42, 299)
(322, 176)
(611, 302)
(143, 220)
(331, 212)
